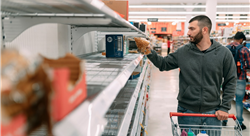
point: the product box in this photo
(134, 75)
(66, 97)
(114, 46)
(16, 127)
(119, 6)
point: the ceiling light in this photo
(167, 6)
(149, 23)
(166, 20)
(233, 17)
(144, 20)
(232, 12)
(164, 13)
(173, 23)
(187, 6)
(157, 16)
(237, 21)
(233, 6)
(165, 17)
(185, 13)
(227, 23)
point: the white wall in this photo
(85, 44)
(50, 40)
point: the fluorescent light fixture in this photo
(227, 23)
(167, 6)
(187, 6)
(233, 6)
(149, 23)
(137, 17)
(174, 23)
(237, 21)
(157, 16)
(232, 13)
(233, 17)
(144, 20)
(165, 13)
(163, 20)
(180, 13)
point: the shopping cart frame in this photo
(177, 128)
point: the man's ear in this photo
(205, 30)
(241, 41)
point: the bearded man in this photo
(203, 63)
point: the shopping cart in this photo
(210, 130)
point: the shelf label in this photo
(142, 126)
(143, 112)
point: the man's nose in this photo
(188, 33)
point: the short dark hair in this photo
(203, 21)
(239, 35)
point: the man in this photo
(203, 63)
(244, 58)
(169, 43)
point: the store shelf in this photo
(121, 111)
(21, 15)
(139, 114)
(248, 109)
(105, 78)
(123, 107)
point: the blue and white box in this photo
(114, 46)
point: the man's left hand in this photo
(221, 115)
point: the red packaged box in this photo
(16, 127)
(65, 99)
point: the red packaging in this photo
(16, 127)
(65, 100)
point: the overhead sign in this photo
(152, 19)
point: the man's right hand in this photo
(143, 46)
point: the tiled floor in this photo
(163, 94)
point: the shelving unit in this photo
(105, 77)
(126, 116)
(248, 109)
(91, 14)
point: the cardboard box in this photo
(64, 98)
(114, 46)
(119, 6)
(16, 127)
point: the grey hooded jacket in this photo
(201, 75)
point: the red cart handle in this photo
(197, 115)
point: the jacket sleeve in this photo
(246, 55)
(229, 84)
(164, 63)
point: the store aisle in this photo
(162, 100)
(163, 93)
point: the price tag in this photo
(143, 112)
(142, 126)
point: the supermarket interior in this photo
(125, 67)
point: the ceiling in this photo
(171, 14)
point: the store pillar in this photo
(188, 17)
(211, 12)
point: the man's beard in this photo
(197, 38)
